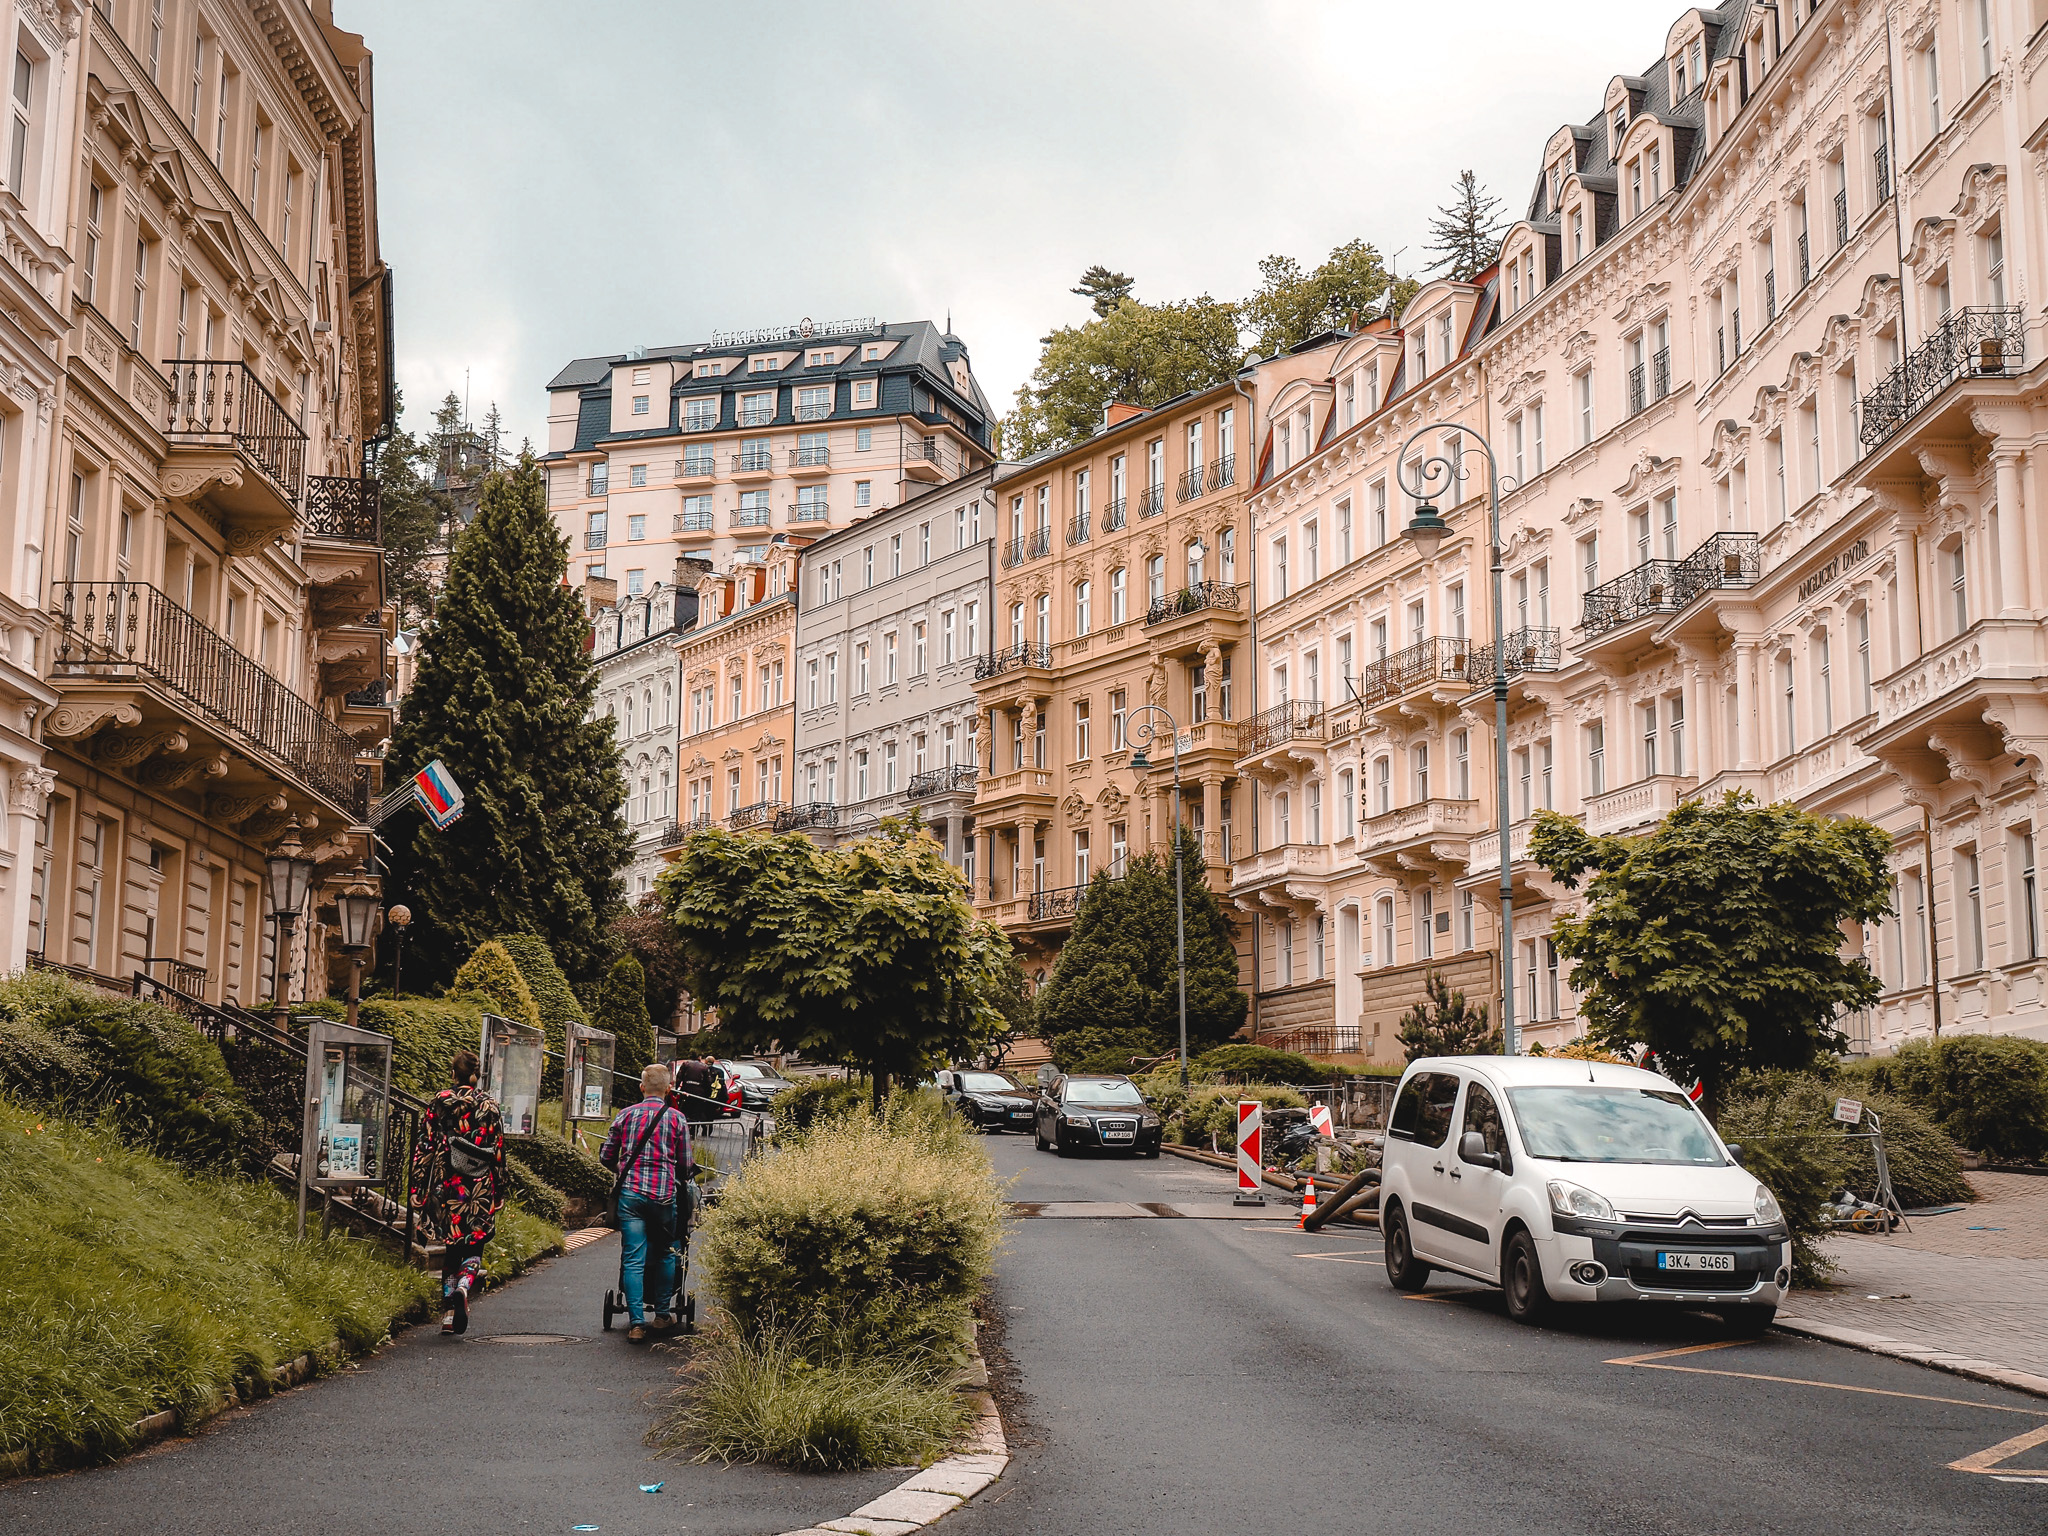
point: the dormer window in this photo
(1620, 128)
(1444, 337)
(1699, 60)
(1678, 83)
(1654, 157)
(1578, 235)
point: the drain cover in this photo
(530, 1338)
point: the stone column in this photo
(1745, 705)
(28, 789)
(1212, 815)
(951, 834)
(2012, 545)
(1911, 626)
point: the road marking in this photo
(1343, 1258)
(1986, 1461)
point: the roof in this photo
(1528, 1071)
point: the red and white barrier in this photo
(1319, 1117)
(1250, 1151)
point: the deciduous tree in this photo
(1716, 940)
(1292, 305)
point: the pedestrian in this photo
(693, 1085)
(648, 1147)
(458, 1183)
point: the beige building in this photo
(197, 555)
(1762, 368)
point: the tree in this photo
(490, 976)
(1465, 234)
(1117, 974)
(503, 698)
(1715, 941)
(1137, 354)
(866, 954)
(1446, 1025)
(1103, 289)
(622, 1009)
(555, 999)
(1292, 305)
(414, 513)
(645, 933)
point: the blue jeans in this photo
(647, 1263)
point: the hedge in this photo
(1988, 1092)
(812, 1099)
(552, 997)
(533, 1192)
(1263, 1064)
(573, 1171)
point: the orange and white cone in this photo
(1308, 1206)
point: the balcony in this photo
(696, 522)
(1529, 650)
(1077, 528)
(757, 416)
(1881, 162)
(1282, 862)
(1190, 484)
(234, 444)
(762, 813)
(810, 458)
(1805, 260)
(1218, 847)
(1841, 218)
(1981, 342)
(1223, 472)
(345, 509)
(1443, 659)
(696, 467)
(927, 459)
(1113, 515)
(1421, 821)
(126, 654)
(1665, 586)
(756, 516)
(755, 461)
(343, 551)
(1649, 382)
(942, 781)
(594, 539)
(1034, 545)
(1024, 654)
(1300, 720)
(1048, 906)
(1484, 857)
(813, 412)
(1152, 501)
(599, 485)
(811, 814)
(700, 421)
(1204, 594)
(809, 512)
(1637, 805)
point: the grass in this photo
(521, 1240)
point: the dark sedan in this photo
(989, 1100)
(1077, 1113)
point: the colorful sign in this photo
(1250, 1152)
(439, 795)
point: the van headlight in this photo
(1767, 1212)
(1568, 1199)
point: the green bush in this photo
(490, 976)
(1924, 1167)
(1988, 1092)
(1207, 1116)
(1104, 1050)
(1772, 1118)
(814, 1099)
(533, 1192)
(865, 1234)
(1262, 1064)
(425, 1033)
(576, 1173)
(622, 1009)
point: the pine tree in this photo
(1103, 289)
(414, 513)
(503, 698)
(622, 1009)
(1465, 234)
(1447, 1025)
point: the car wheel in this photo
(1521, 1277)
(1405, 1272)
(1038, 1135)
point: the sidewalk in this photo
(1965, 1292)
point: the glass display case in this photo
(511, 1059)
(589, 1077)
(348, 1106)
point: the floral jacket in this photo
(459, 1207)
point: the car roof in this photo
(1097, 1077)
(1526, 1071)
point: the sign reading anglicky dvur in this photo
(1846, 560)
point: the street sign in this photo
(1849, 1111)
(1250, 1124)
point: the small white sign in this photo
(345, 1152)
(1849, 1111)
(593, 1101)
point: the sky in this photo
(561, 181)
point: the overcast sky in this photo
(558, 181)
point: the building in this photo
(1759, 367)
(640, 688)
(1122, 582)
(892, 616)
(198, 563)
(702, 449)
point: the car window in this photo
(1422, 1113)
(742, 1069)
(1110, 1094)
(983, 1082)
(1608, 1123)
(1483, 1115)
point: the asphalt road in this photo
(1211, 1376)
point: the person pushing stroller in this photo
(648, 1147)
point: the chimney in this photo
(599, 592)
(1116, 413)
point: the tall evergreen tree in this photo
(1465, 234)
(414, 512)
(1103, 289)
(503, 697)
(622, 1009)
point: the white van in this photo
(1563, 1180)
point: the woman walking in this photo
(458, 1182)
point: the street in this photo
(1217, 1376)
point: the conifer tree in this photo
(503, 698)
(622, 1009)
(1465, 234)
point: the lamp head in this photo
(289, 872)
(357, 907)
(1426, 530)
(400, 916)
(1140, 763)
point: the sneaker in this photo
(636, 1334)
(448, 1322)
(461, 1312)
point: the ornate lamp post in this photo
(400, 918)
(357, 907)
(290, 872)
(1426, 530)
(1141, 729)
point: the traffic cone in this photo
(1308, 1206)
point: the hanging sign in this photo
(439, 795)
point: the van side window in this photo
(1422, 1114)
(1483, 1115)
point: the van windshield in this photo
(1595, 1123)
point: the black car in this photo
(1076, 1113)
(989, 1100)
(759, 1084)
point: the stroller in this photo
(678, 1304)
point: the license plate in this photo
(1020, 1114)
(1119, 1135)
(1722, 1263)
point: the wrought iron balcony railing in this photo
(129, 631)
(696, 522)
(761, 813)
(1882, 160)
(1223, 472)
(1770, 295)
(1299, 720)
(1841, 218)
(757, 416)
(815, 813)
(1723, 560)
(939, 781)
(1038, 543)
(695, 465)
(750, 517)
(1113, 515)
(753, 458)
(1077, 528)
(594, 539)
(345, 508)
(808, 512)
(809, 458)
(1665, 586)
(813, 412)
(1528, 650)
(1064, 902)
(1152, 501)
(701, 421)
(1980, 342)
(213, 401)
(1204, 594)
(1025, 654)
(1190, 484)
(672, 835)
(1444, 658)
(370, 696)
(1805, 260)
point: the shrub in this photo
(622, 1009)
(552, 998)
(1263, 1064)
(1210, 1111)
(533, 1192)
(815, 1099)
(490, 975)
(571, 1170)
(1104, 1050)
(1988, 1092)
(1924, 1167)
(866, 1233)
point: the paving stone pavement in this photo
(1968, 1287)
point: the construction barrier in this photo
(1250, 1152)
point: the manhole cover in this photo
(530, 1338)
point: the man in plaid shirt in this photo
(650, 1144)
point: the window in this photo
(1038, 740)
(1314, 819)
(917, 648)
(1969, 872)
(863, 493)
(1382, 785)
(1155, 579)
(1117, 712)
(1931, 64)
(811, 683)
(89, 278)
(1461, 764)
(636, 474)
(1584, 386)
(1674, 714)
(860, 669)
(1648, 715)
(1279, 568)
(973, 628)
(1084, 592)
(1789, 697)
(24, 95)
(889, 768)
(2027, 942)
(1347, 804)
(1418, 763)
(1283, 820)
(1384, 912)
(636, 526)
(889, 659)
(1379, 513)
(831, 685)
(1311, 551)
(636, 583)
(1042, 630)
(1596, 758)
(860, 774)
(1864, 701)
(1080, 729)
(1958, 587)
(140, 294)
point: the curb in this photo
(940, 1488)
(1989, 1372)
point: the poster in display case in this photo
(348, 1105)
(511, 1055)
(589, 1077)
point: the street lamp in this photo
(1141, 728)
(357, 907)
(400, 918)
(1426, 531)
(290, 873)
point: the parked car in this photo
(1572, 1181)
(991, 1101)
(759, 1084)
(1076, 1113)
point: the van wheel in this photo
(1521, 1277)
(1405, 1272)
